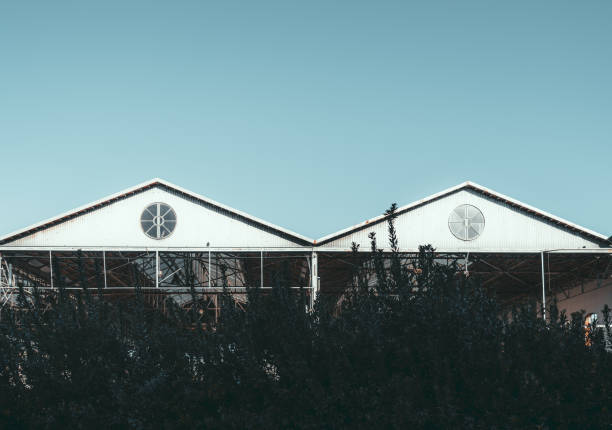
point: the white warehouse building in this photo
(163, 239)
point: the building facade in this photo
(165, 239)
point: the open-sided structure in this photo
(166, 239)
(518, 251)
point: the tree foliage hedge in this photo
(423, 348)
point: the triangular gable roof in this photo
(298, 238)
(468, 185)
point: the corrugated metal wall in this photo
(118, 225)
(506, 229)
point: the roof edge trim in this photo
(6, 239)
(483, 190)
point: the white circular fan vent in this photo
(158, 220)
(466, 222)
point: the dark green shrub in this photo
(419, 347)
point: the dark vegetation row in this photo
(423, 348)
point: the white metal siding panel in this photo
(118, 225)
(506, 229)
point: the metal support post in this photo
(314, 279)
(543, 287)
(51, 268)
(104, 266)
(156, 269)
(209, 269)
(261, 283)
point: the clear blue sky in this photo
(313, 115)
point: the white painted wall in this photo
(591, 301)
(506, 229)
(118, 225)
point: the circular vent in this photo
(466, 222)
(158, 220)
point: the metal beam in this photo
(365, 249)
(104, 264)
(505, 272)
(51, 268)
(314, 279)
(156, 269)
(499, 275)
(543, 287)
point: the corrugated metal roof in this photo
(298, 238)
(482, 190)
